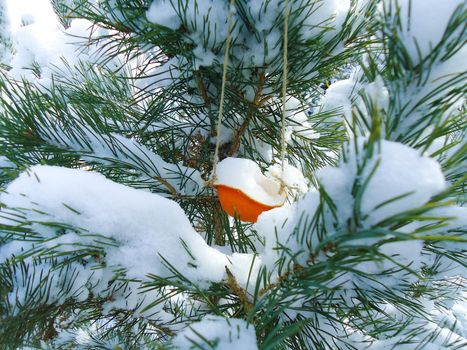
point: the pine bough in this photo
(109, 237)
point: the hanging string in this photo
(284, 85)
(221, 103)
(224, 80)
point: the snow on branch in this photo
(107, 229)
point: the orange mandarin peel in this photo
(248, 193)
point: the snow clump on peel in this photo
(246, 176)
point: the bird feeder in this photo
(244, 192)
(242, 188)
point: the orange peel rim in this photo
(237, 203)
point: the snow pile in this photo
(329, 14)
(25, 12)
(245, 268)
(116, 149)
(298, 127)
(338, 97)
(215, 332)
(291, 177)
(444, 84)
(352, 203)
(245, 175)
(456, 225)
(423, 28)
(39, 40)
(439, 330)
(412, 101)
(256, 36)
(280, 229)
(395, 171)
(47, 47)
(361, 193)
(436, 328)
(5, 34)
(5, 162)
(135, 230)
(350, 95)
(422, 23)
(162, 12)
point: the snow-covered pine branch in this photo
(110, 236)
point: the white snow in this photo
(402, 172)
(136, 229)
(26, 12)
(338, 97)
(438, 330)
(162, 13)
(405, 253)
(52, 49)
(216, 332)
(39, 39)
(346, 96)
(5, 34)
(245, 268)
(456, 225)
(117, 149)
(281, 229)
(443, 78)
(291, 177)
(423, 23)
(141, 224)
(5, 163)
(423, 93)
(319, 20)
(423, 32)
(203, 56)
(323, 16)
(245, 175)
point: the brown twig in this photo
(207, 101)
(281, 279)
(219, 238)
(238, 291)
(171, 189)
(202, 89)
(257, 102)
